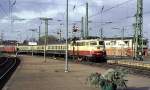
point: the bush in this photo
(110, 80)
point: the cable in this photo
(128, 17)
(110, 8)
(1, 7)
(75, 4)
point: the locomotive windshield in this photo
(101, 42)
(93, 43)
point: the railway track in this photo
(130, 69)
(3, 61)
(7, 66)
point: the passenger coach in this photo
(92, 49)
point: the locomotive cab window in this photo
(101, 42)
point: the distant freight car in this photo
(8, 49)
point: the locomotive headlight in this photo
(98, 47)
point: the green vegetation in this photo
(2, 54)
(111, 80)
(50, 39)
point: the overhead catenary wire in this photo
(4, 11)
(106, 10)
(128, 17)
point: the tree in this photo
(25, 42)
(50, 40)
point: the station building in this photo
(123, 46)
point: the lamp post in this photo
(66, 58)
(33, 30)
(101, 30)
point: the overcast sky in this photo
(31, 10)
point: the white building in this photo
(122, 46)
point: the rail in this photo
(131, 70)
(4, 62)
(12, 65)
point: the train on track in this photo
(92, 49)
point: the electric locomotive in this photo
(92, 49)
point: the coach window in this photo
(64, 47)
(55, 48)
(50, 47)
(83, 43)
(80, 43)
(93, 43)
(58, 47)
(126, 42)
(107, 43)
(113, 42)
(71, 43)
(77, 44)
(86, 43)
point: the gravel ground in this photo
(34, 74)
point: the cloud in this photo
(4, 21)
(38, 1)
(96, 2)
(77, 13)
(33, 14)
(31, 10)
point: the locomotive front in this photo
(97, 49)
(93, 49)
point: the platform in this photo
(34, 74)
(142, 64)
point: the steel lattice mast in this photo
(138, 34)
